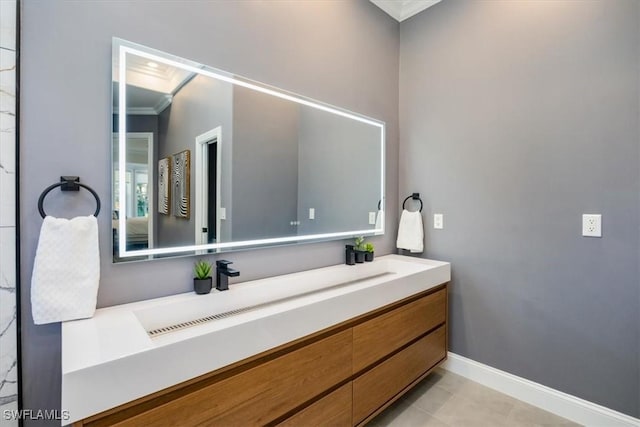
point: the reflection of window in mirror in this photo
(129, 193)
(142, 199)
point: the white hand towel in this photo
(379, 220)
(410, 232)
(66, 270)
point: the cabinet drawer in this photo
(380, 336)
(332, 410)
(261, 394)
(375, 387)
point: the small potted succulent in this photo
(359, 249)
(368, 255)
(202, 281)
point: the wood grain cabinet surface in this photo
(334, 409)
(341, 376)
(378, 385)
(380, 336)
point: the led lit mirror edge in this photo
(120, 48)
(212, 252)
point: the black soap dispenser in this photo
(350, 255)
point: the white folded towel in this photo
(410, 232)
(379, 220)
(66, 270)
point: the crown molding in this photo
(403, 9)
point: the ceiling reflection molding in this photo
(403, 9)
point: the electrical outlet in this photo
(312, 213)
(592, 225)
(438, 221)
(372, 218)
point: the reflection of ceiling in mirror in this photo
(137, 150)
(137, 145)
(151, 84)
(142, 101)
(156, 76)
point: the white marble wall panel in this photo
(8, 320)
(7, 136)
(8, 296)
(8, 24)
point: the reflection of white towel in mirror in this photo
(379, 219)
(411, 232)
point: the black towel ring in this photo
(414, 196)
(67, 183)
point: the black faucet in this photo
(223, 272)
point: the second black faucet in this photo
(223, 272)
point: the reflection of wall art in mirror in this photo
(180, 177)
(164, 189)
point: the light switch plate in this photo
(372, 218)
(438, 221)
(223, 213)
(312, 213)
(592, 225)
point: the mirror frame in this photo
(121, 48)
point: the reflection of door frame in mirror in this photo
(150, 179)
(213, 136)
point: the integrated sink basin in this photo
(129, 351)
(261, 294)
(174, 317)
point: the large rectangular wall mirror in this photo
(205, 161)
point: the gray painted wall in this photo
(517, 118)
(265, 165)
(344, 53)
(202, 104)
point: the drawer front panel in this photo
(335, 409)
(382, 335)
(261, 394)
(375, 387)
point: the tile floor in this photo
(445, 399)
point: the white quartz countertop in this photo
(111, 359)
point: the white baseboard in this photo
(565, 405)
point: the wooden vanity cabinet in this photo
(380, 336)
(342, 376)
(332, 410)
(377, 386)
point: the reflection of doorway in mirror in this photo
(208, 177)
(139, 205)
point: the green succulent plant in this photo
(368, 247)
(359, 244)
(202, 269)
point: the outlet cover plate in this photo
(592, 225)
